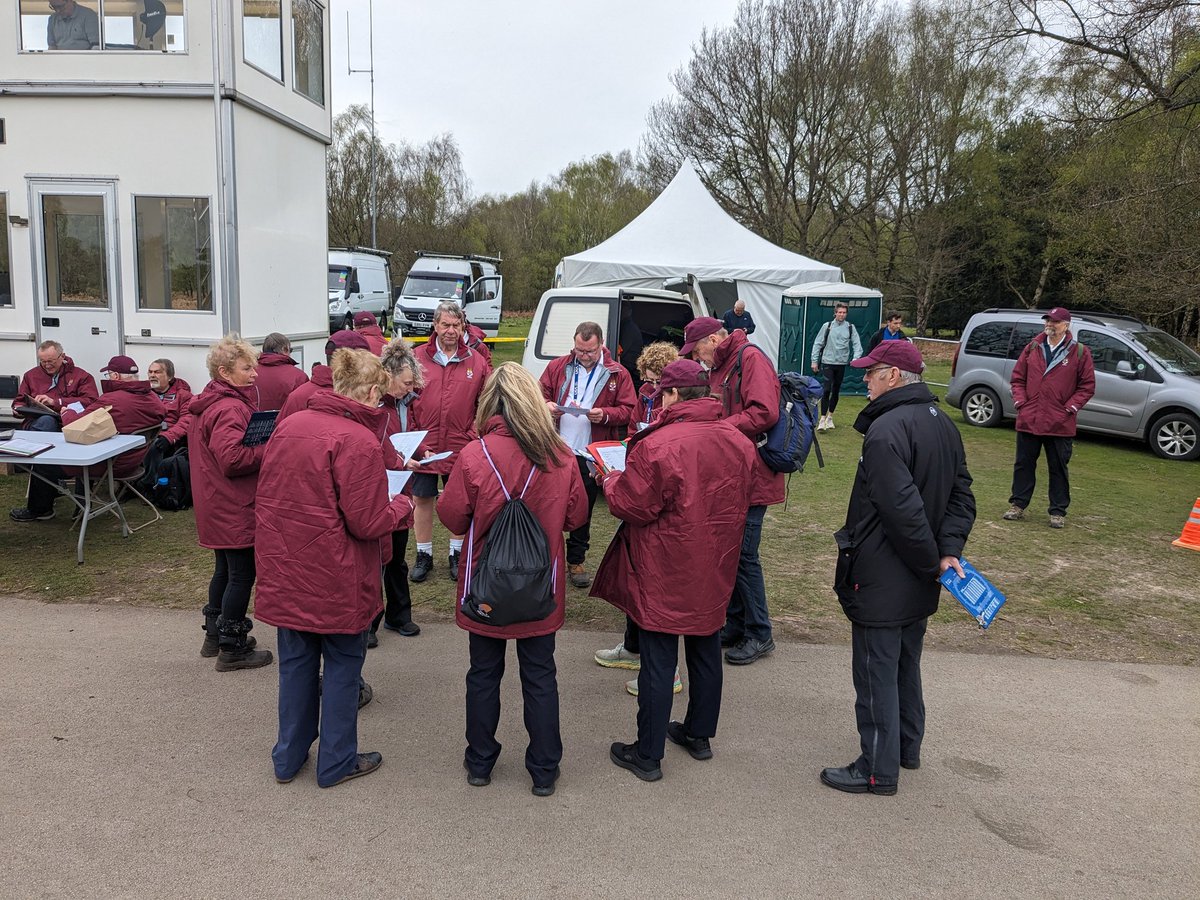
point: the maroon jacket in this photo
(446, 407)
(224, 473)
(648, 408)
(322, 511)
(474, 338)
(176, 405)
(752, 409)
(473, 498)
(682, 500)
(74, 384)
(322, 377)
(616, 397)
(374, 337)
(278, 376)
(133, 407)
(1047, 402)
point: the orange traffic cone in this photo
(1191, 530)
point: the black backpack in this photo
(513, 581)
(173, 488)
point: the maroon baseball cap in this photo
(364, 318)
(696, 331)
(345, 340)
(122, 365)
(683, 373)
(1058, 314)
(902, 354)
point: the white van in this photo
(359, 281)
(473, 281)
(659, 315)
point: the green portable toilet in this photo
(803, 312)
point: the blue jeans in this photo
(45, 423)
(335, 706)
(747, 614)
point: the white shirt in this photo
(582, 390)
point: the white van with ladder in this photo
(472, 281)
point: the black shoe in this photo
(748, 651)
(365, 695)
(729, 639)
(850, 780)
(627, 757)
(454, 566)
(24, 514)
(372, 640)
(697, 748)
(476, 780)
(545, 790)
(245, 657)
(211, 646)
(911, 763)
(367, 763)
(421, 568)
(408, 629)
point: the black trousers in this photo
(633, 636)
(1058, 455)
(231, 583)
(397, 609)
(832, 376)
(41, 494)
(580, 539)
(889, 704)
(539, 688)
(656, 688)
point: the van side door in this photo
(484, 302)
(1119, 406)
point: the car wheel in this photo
(1176, 436)
(981, 407)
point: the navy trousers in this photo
(579, 540)
(539, 689)
(747, 615)
(331, 713)
(656, 688)
(889, 704)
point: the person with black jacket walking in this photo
(911, 510)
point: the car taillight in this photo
(954, 360)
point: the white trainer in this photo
(618, 658)
(631, 686)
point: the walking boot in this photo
(237, 650)
(212, 641)
(421, 568)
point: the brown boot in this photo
(579, 575)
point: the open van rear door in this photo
(690, 285)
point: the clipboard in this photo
(260, 428)
(31, 407)
(609, 456)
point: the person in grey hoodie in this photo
(836, 345)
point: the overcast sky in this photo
(525, 87)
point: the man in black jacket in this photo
(889, 332)
(911, 510)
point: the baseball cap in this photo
(696, 331)
(1058, 314)
(364, 318)
(122, 365)
(345, 340)
(683, 373)
(902, 354)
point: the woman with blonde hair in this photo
(323, 508)
(653, 359)
(518, 454)
(224, 475)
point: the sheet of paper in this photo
(75, 407)
(396, 482)
(574, 410)
(436, 457)
(406, 444)
(613, 457)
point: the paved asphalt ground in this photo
(129, 767)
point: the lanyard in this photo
(587, 386)
(649, 403)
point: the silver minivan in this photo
(1147, 382)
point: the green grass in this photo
(1108, 586)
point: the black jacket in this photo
(877, 337)
(910, 506)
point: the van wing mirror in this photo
(352, 288)
(1125, 369)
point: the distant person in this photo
(322, 375)
(836, 345)
(324, 473)
(682, 500)
(475, 337)
(738, 318)
(133, 408)
(224, 475)
(367, 325)
(630, 343)
(175, 394)
(278, 373)
(517, 454)
(911, 510)
(1053, 378)
(587, 378)
(72, 26)
(454, 378)
(149, 31)
(889, 332)
(55, 382)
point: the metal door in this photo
(77, 278)
(484, 301)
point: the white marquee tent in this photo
(685, 231)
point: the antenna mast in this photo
(350, 70)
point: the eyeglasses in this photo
(867, 375)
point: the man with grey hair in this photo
(911, 510)
(738, 318)
(56, 382)
(454, 378)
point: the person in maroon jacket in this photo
(454, 379)
(366, 325)
(322, 375)
(517, 454)
(743, 378)
(176, 397)
(474, 338)
(682, 499)
(323, 487)
(224, 479)
(55, 382)
(1053, 378)
(589, 378)
(133, 408)
(278, 373)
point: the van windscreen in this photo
(1173, 355)
(429, 284)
